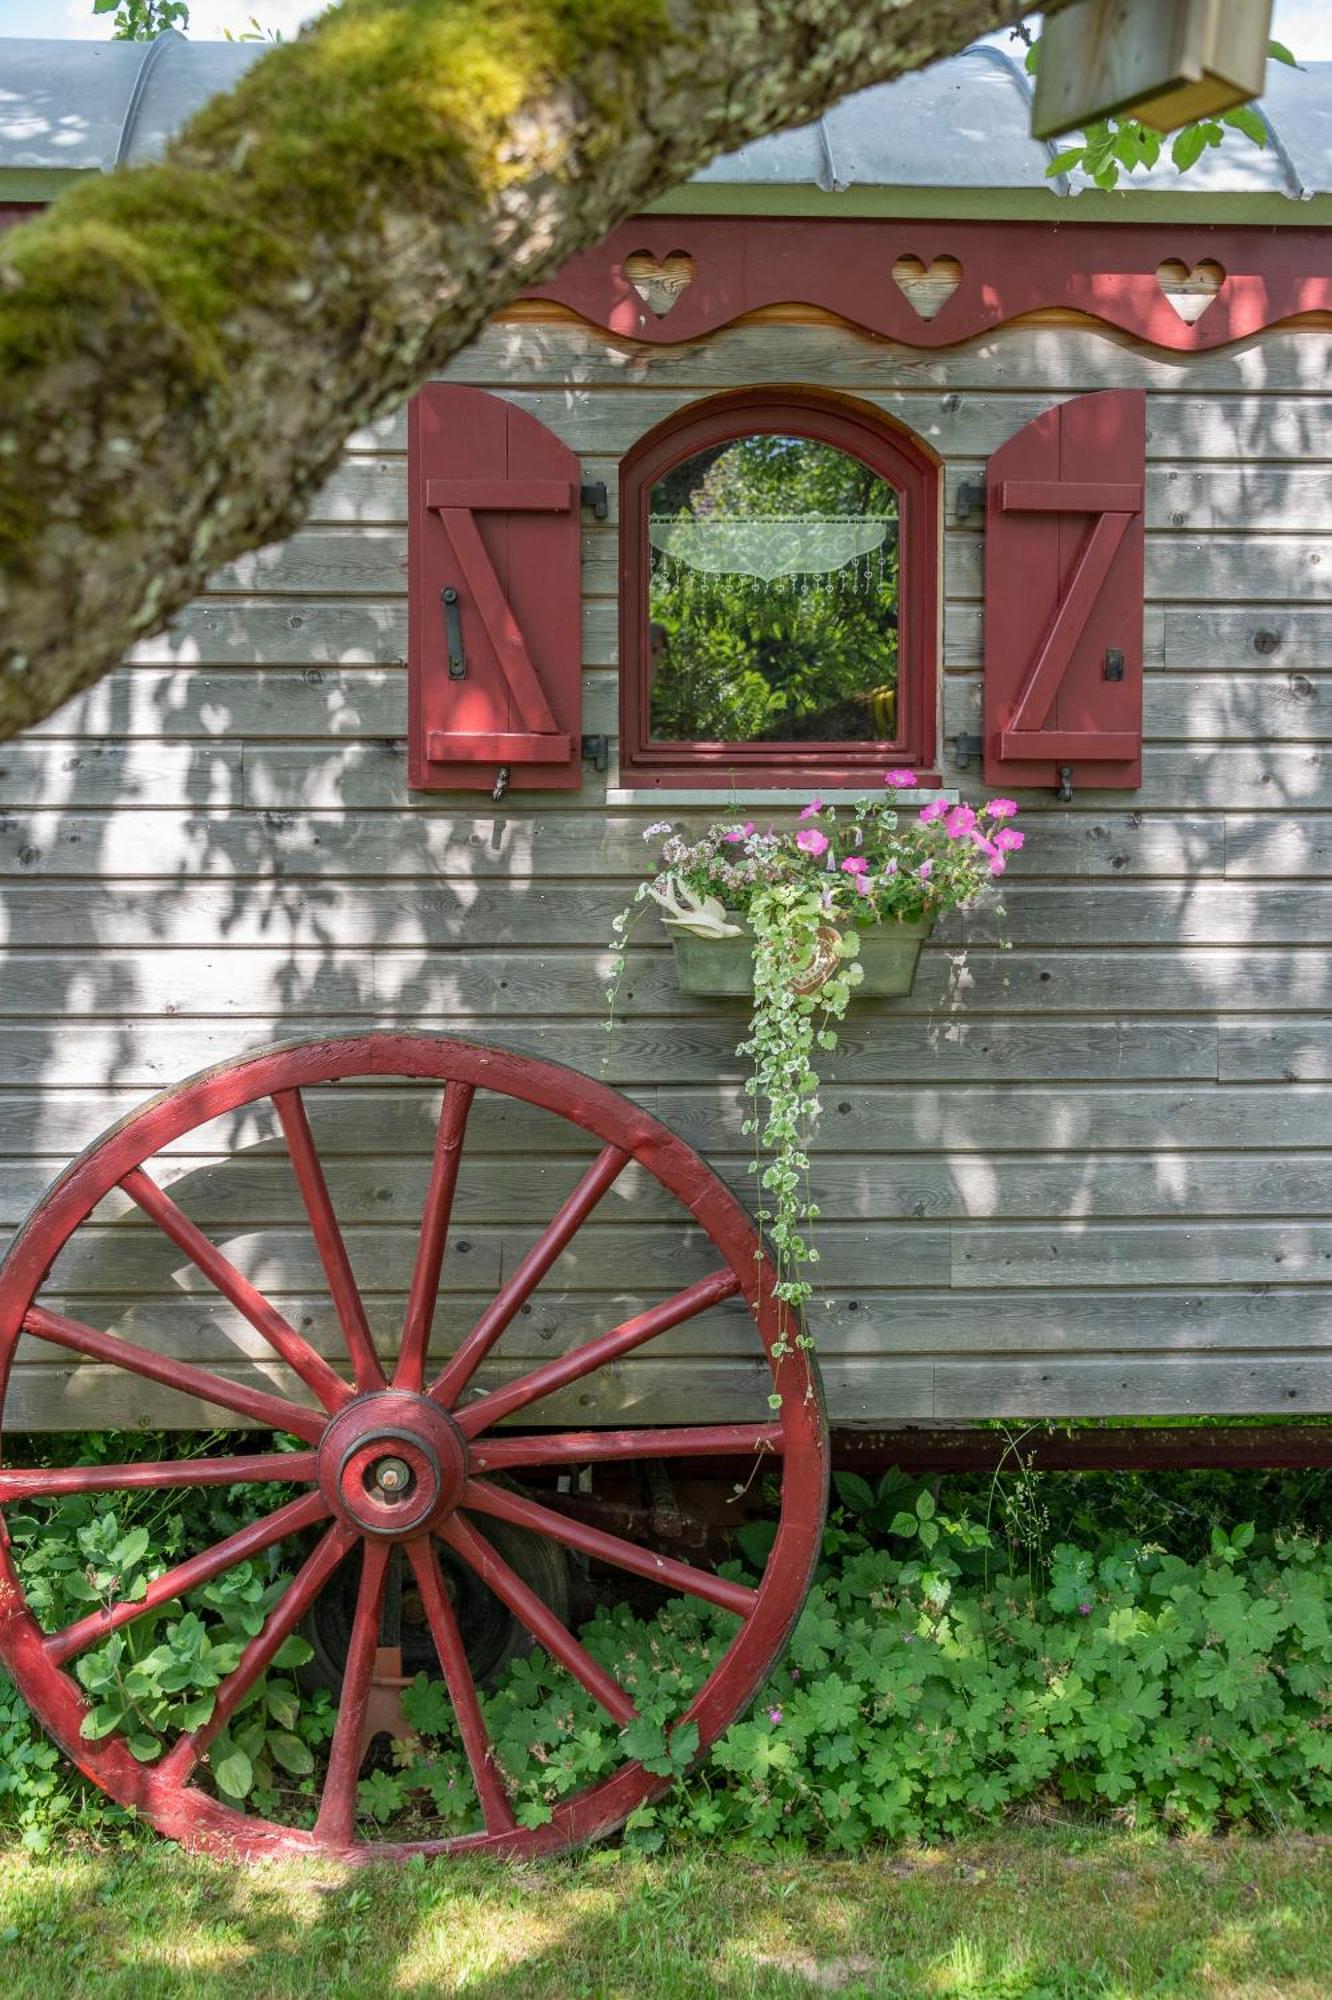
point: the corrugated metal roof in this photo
(964, 123)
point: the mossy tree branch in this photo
(185, 347)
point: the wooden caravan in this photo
(379, 794)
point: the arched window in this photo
(779, 600)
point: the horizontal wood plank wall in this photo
(1092, 1173)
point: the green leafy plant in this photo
(143, 20)
(1113, 146)
(803, 896)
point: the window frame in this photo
(895, 455)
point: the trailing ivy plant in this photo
(803, 896)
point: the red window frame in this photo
(896, 456)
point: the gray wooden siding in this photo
(1088, 1173)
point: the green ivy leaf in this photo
(234, 1774)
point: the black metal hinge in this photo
(967, 750)
(593, 495)
(969, 500)
(596, 751)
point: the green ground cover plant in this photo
(1121, 1647)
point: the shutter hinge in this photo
(596, 751)
(969, 500)
(593, 495)
(967, 750)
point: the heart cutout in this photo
(927, 288)
(1190, 288)
(659, 281)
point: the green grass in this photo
(1040, 1915)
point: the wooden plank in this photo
(413, 938)
(38, 773)
(1298, 1051)
(309, 633)
(1265, 708)
(1164, 1386)
(96, 969)
(671, 1050)
(1073, 1255)
(1268, 569)
(256, 1186)
(1262, 638)
(964, 635)
(432, 843)
(267, 704)
(1278, 847)
(957, 423)
(1024, 356)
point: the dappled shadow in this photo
(1085, 1173)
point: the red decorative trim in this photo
(712, 269)
(900, 459)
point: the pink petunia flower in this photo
(889, 868)
(925, 870)
(774, 1715)
(811, 841)
(934, 810)
(855, 864)
(899, 780)
(959, 822)
(737, 833)
(997, 864)
(810, 811)
(1001, 808)
(864, 887)
(1009, 838)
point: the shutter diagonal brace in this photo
(1116, 506)
(538, 736)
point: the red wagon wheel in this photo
(397, 1460)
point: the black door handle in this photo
(453, 638)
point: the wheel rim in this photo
(396, 1457)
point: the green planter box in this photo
(723, 968)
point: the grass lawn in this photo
(1022, 1916)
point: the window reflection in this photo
(773, 596)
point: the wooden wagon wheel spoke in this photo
(337, 1805)
(482, 1498)
(281, 1622)
(187, 1576)
(545, 1628)
(275, 1412)
(401, 1467)
(443, 1623)
(435, 1218)
(256, 1468)
(594, 1354)
(507, 1454)
(554, 1239)
(298, 1354)
(366, 1365)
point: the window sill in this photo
(724, 801)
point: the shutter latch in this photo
(453, 638)
(592, 493)
(501, 783)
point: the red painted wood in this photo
(272, 1411)
(1064, 585)
(163, 1793)
(480, 1497)
(540, 1621)
(897, 457)
(1105, 270)
(506, 1454)
(424, 1293)
(594, 1354)
(443, 1623)
(366, 1367)
(337, 1805)
(253, 1468)
(493, 513)
(186, 1576)
(331, 1549)
(550, 1245)
(298, 1354)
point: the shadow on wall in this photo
(1066, 1155)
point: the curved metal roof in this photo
(964, 123)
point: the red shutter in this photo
(493, 647)
(1063, 596)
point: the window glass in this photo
(773, 596)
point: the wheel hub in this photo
(392, 1464)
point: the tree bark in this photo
(184, 348)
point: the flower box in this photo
(723, 968)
